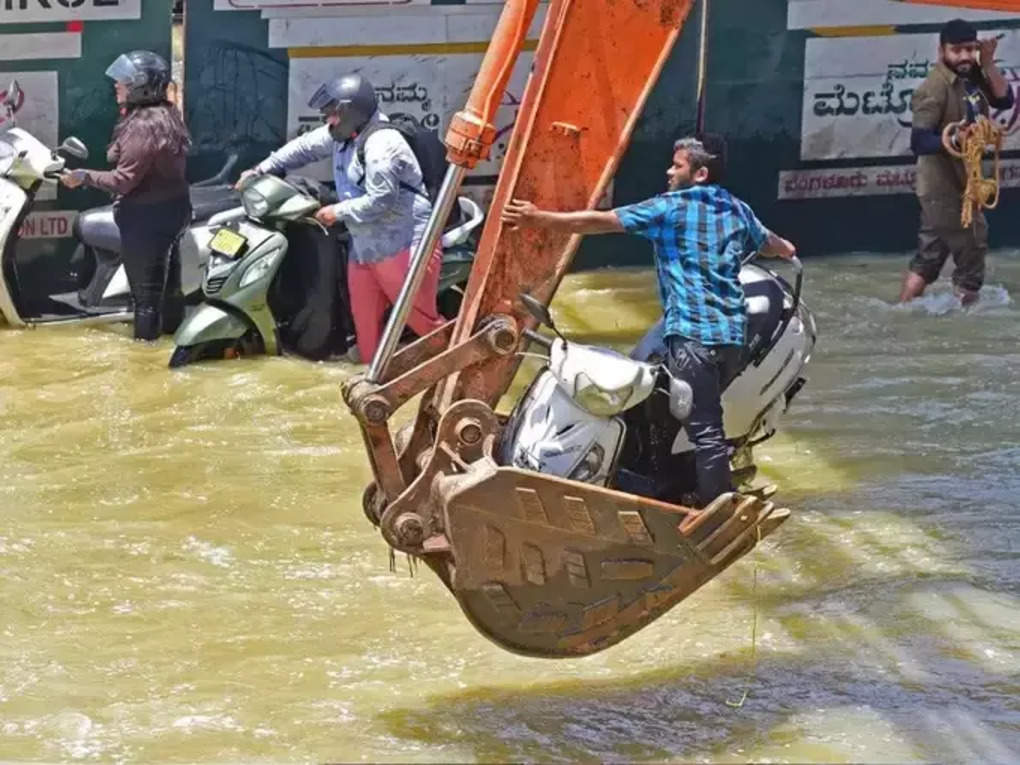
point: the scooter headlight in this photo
(590, 465)
(601, 402)
(260, 267)
(255, 205)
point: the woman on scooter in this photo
(149, 147)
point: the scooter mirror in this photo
(13, 95)
(539, 311)
(73, 147)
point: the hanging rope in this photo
(969, 141)
(756, 604)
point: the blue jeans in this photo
(708, 370)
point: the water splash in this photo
(941, 301)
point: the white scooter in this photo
(25, 165)
(597, 416)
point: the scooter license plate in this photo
(228, 243)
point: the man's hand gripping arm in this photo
(522, 214)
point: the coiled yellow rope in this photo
(972, 141)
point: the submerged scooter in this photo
(269, 260)
(597, 416)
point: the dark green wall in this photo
(235, 87)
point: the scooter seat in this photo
(97, 229)
(207, 201)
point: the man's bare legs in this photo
(913, 286)
(967, 297)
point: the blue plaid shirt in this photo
(700, 235)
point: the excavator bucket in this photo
(552, 568)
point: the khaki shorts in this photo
(942, 235)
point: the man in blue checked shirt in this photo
(701, 233)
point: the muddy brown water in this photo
(186, 574)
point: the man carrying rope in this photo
(963, 86)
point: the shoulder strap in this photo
(359, 145)
(363, 136)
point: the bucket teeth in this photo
(763, 492)
(743, 517)
(769, 519)
(701, 523)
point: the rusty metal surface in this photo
(462, 436)
(382, 455)
(553, 568)
(422, 350)
(497, 338)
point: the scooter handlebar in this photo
(538, 339)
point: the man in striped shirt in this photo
(701, 233)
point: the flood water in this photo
(186, 573)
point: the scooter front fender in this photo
(208, 324)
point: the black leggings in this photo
(147, 235)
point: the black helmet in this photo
(146, 75)
(352, 98)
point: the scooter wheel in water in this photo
(184, 355)
(249, 344)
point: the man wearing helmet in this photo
(383, 203)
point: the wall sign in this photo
(828, 183)
(857, 93)
(31, 11)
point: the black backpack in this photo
(428, 149)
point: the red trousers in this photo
(374, 287)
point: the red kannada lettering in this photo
(835, 180)
(44, 227)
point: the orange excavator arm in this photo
(594, 68)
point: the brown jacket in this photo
(140, 174)
(940, 100)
